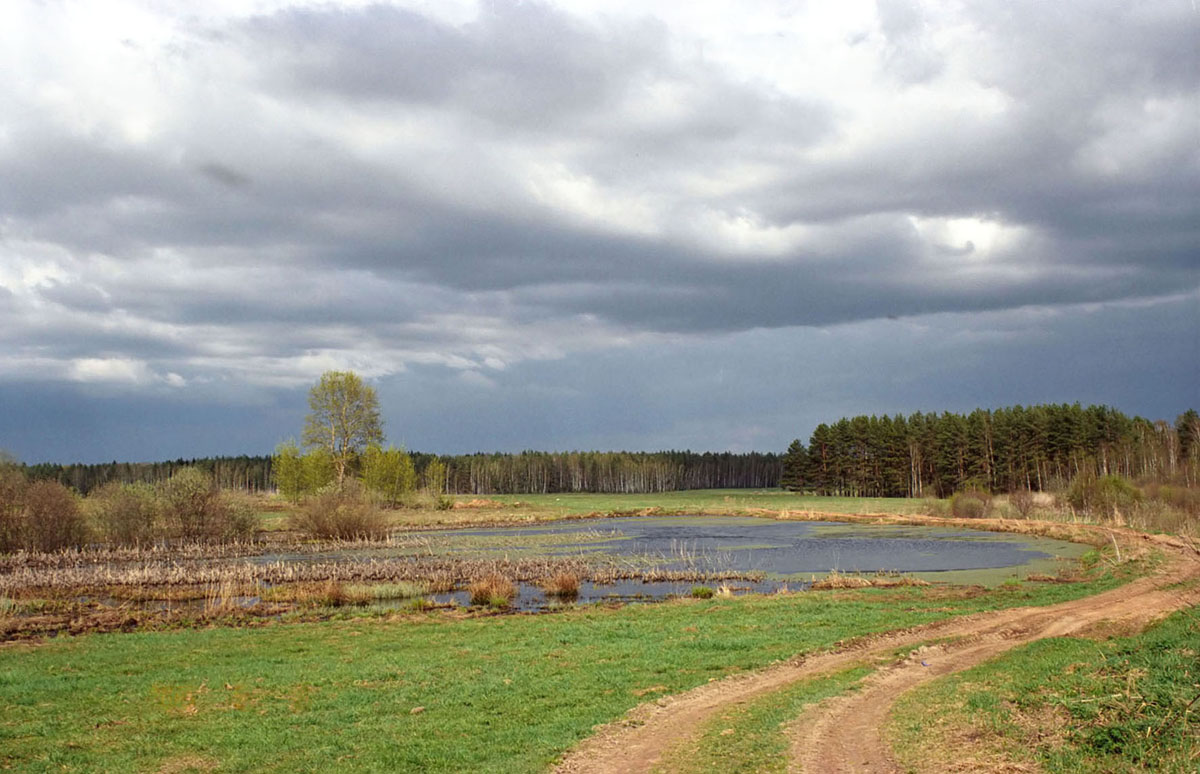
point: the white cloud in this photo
(111, 369)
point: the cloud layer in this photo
(209, 209)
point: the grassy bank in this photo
(1065, 705)
(535, 508)
(417, 692)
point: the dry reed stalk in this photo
(564, 585)
(494, 589)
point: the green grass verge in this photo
(711, 501)
(505, 693)
(750, 738)
(1068, 705)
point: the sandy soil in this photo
(843, 734)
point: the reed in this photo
(563, 585)
(493, 590)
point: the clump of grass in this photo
(702, 592)
(836, 580)
(440, 583)
(563, 585)
(377, 591)
(493, 590)
(220, 597)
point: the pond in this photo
(767, 553)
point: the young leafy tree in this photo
(389, 472)
(288, 468)
(435, 476)
(318, 470)
(343, 418)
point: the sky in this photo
(588, 225)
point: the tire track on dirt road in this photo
(843, 734)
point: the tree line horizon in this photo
(1035, 448)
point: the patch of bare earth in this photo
(843, 734)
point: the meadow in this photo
(419, 691)
(322, 683)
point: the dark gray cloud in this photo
(215, 205)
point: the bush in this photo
(341, 514)
(1104, 496)
(494, 590)
(702, 592)
(971, 504)
(194, 509)
(1186, 499)
(12, 508)
(1022, 502)
(123, 514)
(53, 520)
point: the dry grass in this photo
(493, 589)
(564, 585)
(837, 580)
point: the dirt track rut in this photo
(843, 734)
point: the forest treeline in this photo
(1033, 448)
(527, 472)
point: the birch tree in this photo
(343, 418)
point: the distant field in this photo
(711, 501)
(545, 507)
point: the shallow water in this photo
(779, 549)
(766, 554)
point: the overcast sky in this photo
(637, 225)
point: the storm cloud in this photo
(200, 212)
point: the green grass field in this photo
(535, 507)
(497, 693)
(1067, 705)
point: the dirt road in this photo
(843, 734)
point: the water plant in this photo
(493, 590)
(563, 585)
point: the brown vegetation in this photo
(971, 504)
(124, 514)
(194, 509)
(564, 585)
(493, 589)
(343, 513)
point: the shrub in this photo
(702, 592)
(1103, 496)
(971, 504)
(345, 513)
(494, 590)
(1186, 499)
(123, 514)
(194, 509)
(12, 508)
(237, 515)
(564, 585)
(53, 520)
(1022, 502)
